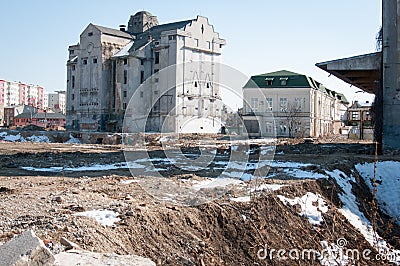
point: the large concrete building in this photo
(288, 104)
(378, 73)
(108, 67)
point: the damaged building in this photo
(171, 70)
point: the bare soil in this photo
(221, 232)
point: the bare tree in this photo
(292, 119)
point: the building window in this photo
(141, 94)
(283, 104)
(141, 62)
(141, 77)
(94, 60)
(269, 104)
(90, 34)
(125, 94)
(73, 67)
(73, 96)
(85, 61)
(124, 106)
(125, 61)
(172, 37)
(72, 108)
(298, 103)
(196, 42)
(125, 76)
(209, 45)
(71, 52)
(156, 57)
(283, 81)
(254, 104)
(269, 81)
(73, 82)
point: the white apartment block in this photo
(110, 66)
(56, 102)
(287, 104)
(17, 93)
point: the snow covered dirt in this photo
(313, 196)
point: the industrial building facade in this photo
(106, 68)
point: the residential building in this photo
(10, 112)
(108, 66)
(359, 120)
(288, 104)
(56, 102)
(18, 93)
(55, 121)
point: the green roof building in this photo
(289, 104)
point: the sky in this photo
(262, 36)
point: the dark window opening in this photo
(125, 94)
(94, 60)
(125, 61)
(73, 82)
(90, 34)
(141, 62)
(85, 61)
(195, 84)
(141, 77)
(156, 57)
(125, 76)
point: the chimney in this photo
(122, 28)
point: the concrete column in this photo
(390, 73)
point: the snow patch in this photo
(13, 138)
(73, 140)
(388, 185)
(103, 217)
(353, 214)
(215, 182)
(241, 199)
(308, 208)
(35, 138)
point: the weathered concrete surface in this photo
(81, 257)
(391, 73)
(25, 250)
(362, 71)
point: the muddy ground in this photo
(221, 232)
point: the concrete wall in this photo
(391, 72)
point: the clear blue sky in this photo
(262, 36)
